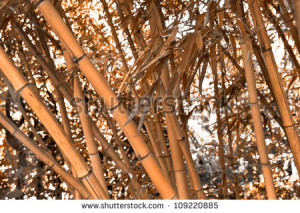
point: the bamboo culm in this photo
(43, 155)
(258, 128)
(103, 89)
(23, 87)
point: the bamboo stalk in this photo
(89, 136)
(22, 86)
(259, 133)
(287, 46)
(49, 67)
(289, 23)
(229, 133)
(43, 155)
(106, 146)
(116, 136)
(41, 60)
(165, 152)
(276, 83)
(156, 148)
(125, 29)
(125, 66)
(262, 98)
(219, 123)
(178, 164)
(119, 163)
(135, 27)
(173, 125)
(103, 89)
(115, 36)
(21, 108)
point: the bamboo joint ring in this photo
(140, 158)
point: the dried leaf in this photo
(199, 40)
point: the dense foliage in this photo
(132, 43)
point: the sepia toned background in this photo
(157, 100)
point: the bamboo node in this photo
(77, 60)
(265, 50)
(265, 164)
(140, 158)
(93, 154)
(115, 107)
(289, 126)
(86, 175)
(178, 171)
(164, 156)
(15, 131)
(50, 167)
(251, 104)
(22, 87)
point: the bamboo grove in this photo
(147, 99)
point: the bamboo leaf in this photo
(199, 40)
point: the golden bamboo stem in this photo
(125, 66)
(178, 164)
(119, 163)
(89, 136)
(22, 86)
(116, 136)
(229, 133)
(156, 148)
(106, 146)
(20, 107)
(103, 89)
(41, 60)
(86, 126)
(276, 83)
(164, 148)
(173, 127)
(287, 46)
(219, 123)
(262, 98)
(256, 117)
(43, 155)
(289, 23)
(50, 68)
(179, 136)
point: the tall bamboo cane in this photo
(103, 89)
(229, 133)
(43, 155)
(89, 136)
(156, 26)
(106, 146)
(178, 164)
(276, 82)
(23, 87)
(125, 66)
(259, 132)
(219, 123)
(286, 18)
(42, 61)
